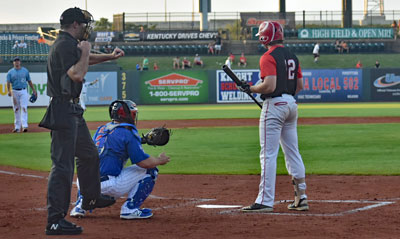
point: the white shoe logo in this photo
(54, 227)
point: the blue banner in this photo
(226, 88)
(340, 85)
(104, 91)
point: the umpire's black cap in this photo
(73, 14)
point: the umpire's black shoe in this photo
(100, 202)
(63, 227)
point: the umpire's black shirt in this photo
(63, 54)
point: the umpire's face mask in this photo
(87, 25)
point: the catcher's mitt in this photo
(157, 136)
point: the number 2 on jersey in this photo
(291, 67)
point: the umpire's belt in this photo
(20, 89)
(104, 178)
(70, 100)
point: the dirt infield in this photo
(340, 206)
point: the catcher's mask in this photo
(80, 16)
(123, 111)
(270, 32)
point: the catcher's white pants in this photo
(126, 183)
(20, 107)
(278, 124)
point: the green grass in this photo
(353, 149)
(160, 112)
(326, 61)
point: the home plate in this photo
(217, 206)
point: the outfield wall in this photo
(200, 87)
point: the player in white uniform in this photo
(18, 78)
(83, 96)
(281, 80)
(117, 142)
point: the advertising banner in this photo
(345, 33)
(226, 88)
(104, 91)
(338, 85)
(101, 93)
(167, 87)
(170, 35)
(19, 36)
(39, 80)
(385, 85)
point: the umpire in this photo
(67, 65)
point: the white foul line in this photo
(375, 204)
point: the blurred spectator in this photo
(141, 29)
(176, 62)
(197, 61)
(109, 48)
(41, 40)
(344, 46)
(242, 60)
(338, 46)
(145, 64)
(186, 63)
(316, 52)
(22, 44)
(232, 57)
(359, 64)
(395, 29)
(377, 64)
(15, 45)
(218, 44)
(210, 48)
(138, 68)
(155, 66)
(228, 62)
(96, 48)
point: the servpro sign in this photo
(187, 87)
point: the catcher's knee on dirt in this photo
(144, 189)
(299, 185)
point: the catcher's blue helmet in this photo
(33, 98)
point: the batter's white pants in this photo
(20, 107)
(278, 124)
(82, 100)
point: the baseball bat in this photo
(232, 75)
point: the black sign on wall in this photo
(385, 85)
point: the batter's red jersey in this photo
(280, 62)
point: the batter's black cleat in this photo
(256, 207)
(100, 202)
(63, 227)
(302, 206)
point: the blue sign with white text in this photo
(226, 87)
(339, 85)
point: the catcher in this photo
(116, 142)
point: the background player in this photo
(117, 142)
(281, 80)
(18, 78)
(83, 96)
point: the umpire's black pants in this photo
(65, 145)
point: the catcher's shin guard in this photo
(144, 189)
(299, 185)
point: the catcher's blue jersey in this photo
(116, 144)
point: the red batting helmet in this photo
(123, 111)
(269, 32)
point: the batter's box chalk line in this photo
(375, 204)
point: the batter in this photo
(281, 80)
